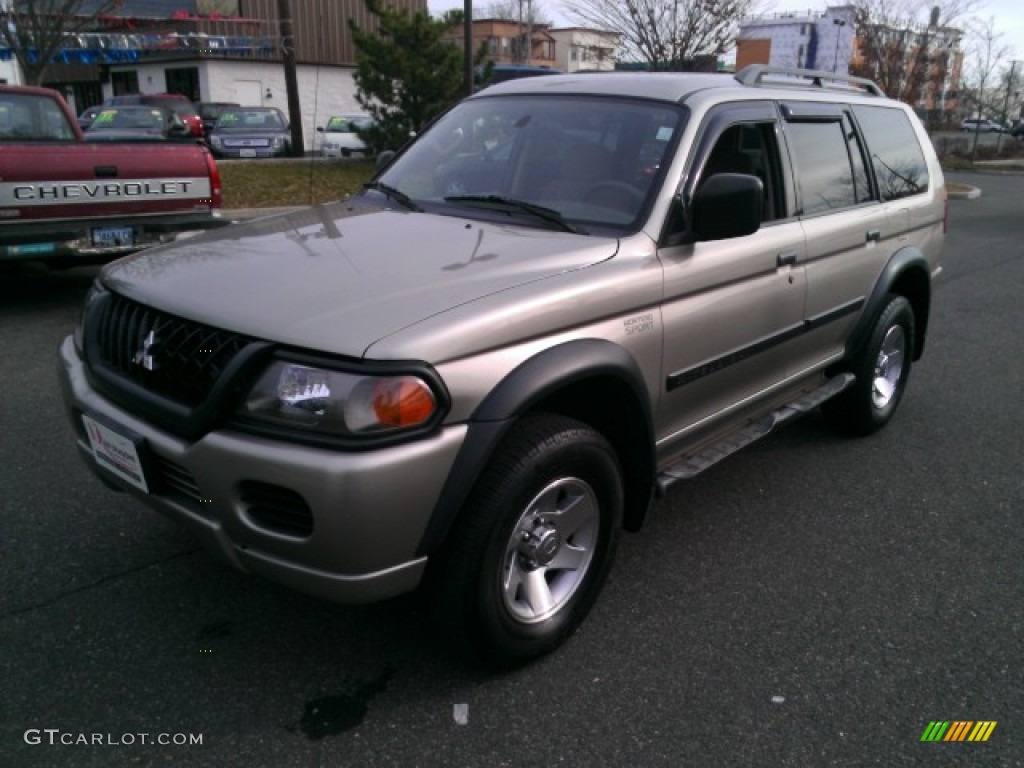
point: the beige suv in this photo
(566, 296)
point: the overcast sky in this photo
(1009, 15)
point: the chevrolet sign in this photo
(63, 192)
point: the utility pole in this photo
(467, 46)
(839, 23)
(291, 83)
(1006, 103)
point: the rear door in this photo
(849, 234)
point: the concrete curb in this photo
(967, 192)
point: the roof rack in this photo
(753, 74)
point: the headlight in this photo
(338, 403)
(215, 141)
(278, 142)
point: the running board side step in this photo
(688, 466)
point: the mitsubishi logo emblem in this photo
(144, 355)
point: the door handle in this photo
(873, 235)
(786, 259)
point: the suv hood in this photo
(340, 276)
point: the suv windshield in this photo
(594, 162)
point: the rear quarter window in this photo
(896, 154)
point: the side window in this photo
(896, 155)
(750, 148)
(829, 165)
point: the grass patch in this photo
(271, 183)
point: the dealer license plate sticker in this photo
(115, 452)
(113, 237)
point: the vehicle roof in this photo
(237, 108)
(134, 108)
(678, 87)
(39, 90)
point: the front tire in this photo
(882, 369)
(530, 551)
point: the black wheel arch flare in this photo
(907, 273)
(557, 380)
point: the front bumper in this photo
(360, 516)
(248, 153)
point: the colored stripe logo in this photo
(958, 730)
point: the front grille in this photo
(167, 355)
(277, 509)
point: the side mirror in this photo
(320, 129)
(727, 205)
(178, 129)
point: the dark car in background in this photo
(501, 73)
(249, 132)
(209, 111)
(174, 101)
(127, 123)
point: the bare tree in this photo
(36, 30)
(525, 11)
(987, 54)
(911, 48)
(665, 34)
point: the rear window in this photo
(179, 104)
(895, 152)
(826, 177)
(347, 124)
(30, 117)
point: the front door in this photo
(732, 308)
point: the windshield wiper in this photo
(547, 214)
(393, 194)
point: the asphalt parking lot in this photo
(812, 601)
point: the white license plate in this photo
(247, 153)
(115, 452)
(113, 237)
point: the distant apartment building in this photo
(810, 40)
(580, 49)
(511, 42)
(919, 64)
(567, 49)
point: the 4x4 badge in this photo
(144, 355)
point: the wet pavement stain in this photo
(331, 715)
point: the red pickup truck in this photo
(66, 201)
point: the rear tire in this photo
(530, 550)
(882, 369)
